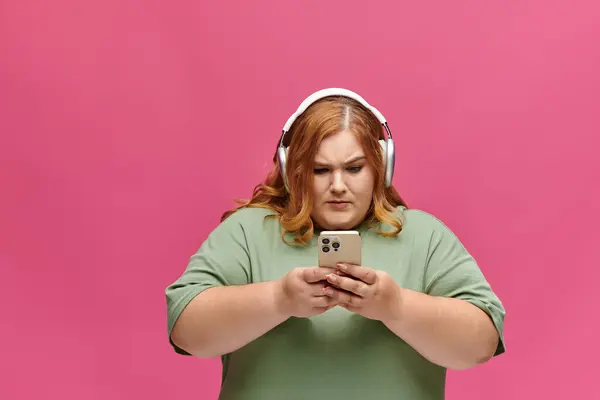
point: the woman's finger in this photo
(343, 297)
(365, 274)
(355, 286)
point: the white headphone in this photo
(387, 145)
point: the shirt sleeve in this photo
(453, 272)
(222, 260)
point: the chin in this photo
(339, 224)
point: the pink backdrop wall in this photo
(126, 127)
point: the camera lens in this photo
(325, 249)
(325, 241)
(335, 245)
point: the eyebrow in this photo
(352, 160)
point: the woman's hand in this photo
(365, 291)
(300, 292)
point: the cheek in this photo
(364, 185)
(319, 186)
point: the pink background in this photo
(126, 127)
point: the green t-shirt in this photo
(338, 354)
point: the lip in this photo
(339, 204)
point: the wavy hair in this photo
(323, 118)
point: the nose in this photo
(338, 185)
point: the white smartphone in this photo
(339, 247)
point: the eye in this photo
(355, 169)
(320, 171)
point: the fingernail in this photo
(342, 266)
(333, 278)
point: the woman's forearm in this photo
(447, 331)
(223, 319)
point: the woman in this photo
(287, 329)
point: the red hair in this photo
(323, 118)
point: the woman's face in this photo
(343, 183)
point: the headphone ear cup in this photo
(282, 153)
(388, 160)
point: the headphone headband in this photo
(331, 92)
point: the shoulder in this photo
(250, 219)
(426, 229)
(243, 226)
(431, 233)
(417, 221)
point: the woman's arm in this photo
(223, 319)
(450, 332)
